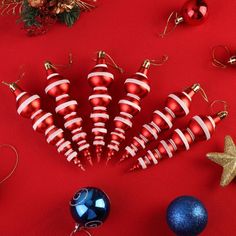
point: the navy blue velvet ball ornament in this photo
(90, 207)
(187, 216)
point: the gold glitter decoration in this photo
(227, 160)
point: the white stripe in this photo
(190, 99)
(52, 75)
(99, 96)
(142, 74)
(64, 105)
(106, 74)
(99, 124)
(170, 112)
(203, 126)
(166, 147)
(118, 134)
(130, 151)
(212, 121)
(26, 103)
(76, 130)
(143, 138)
(158, 153)
(35, 114)
(96, 142)
(153, 157)
(49, 129)
(100, 88)
(134, 147)
(81, 142)
(156, 126)
(113, 147)
(173, 144)
(147, 160)
(61, 96)
(68, 152)
(101, 65)
(20, 95)
(140, 142)
(126, 114)
(83, 147)
(69, 115)
(120, 130)
(99, 108)
(138, 82)
(62, 146)
(60, 142)
(79, 135)
(180, 102)
(121, 119)
(56, 83)
(132, 104)
(183, 138)
(148, 128)
(54, 134)
(99, 137)
(115, 142)
(191, 133)
(99, 115)
(44, 117)
(133, 96)
(142, 163)
(70, 122)
(164, 117)
(71, 156)
(101, 130)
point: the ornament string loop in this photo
(203, 93)
(217, 62)
(78, 228)
(173, 19)
(55, 66)
(217, 102)
(159, 62)
(16, 161)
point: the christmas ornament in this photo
(89, 208)
(227, 160)
(187, 216)
(199, 128)
(227, 58)
(177, 105)
(100, 79)
(29, 106)
(38, 15)
(193, 12)
(58, 88)
(136, 88)
(16, 161)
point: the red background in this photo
(35, 200)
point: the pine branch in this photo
(70, 17)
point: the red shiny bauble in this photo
(195, 12)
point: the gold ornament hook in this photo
(217, 62)
(16, 162)
(48, 64)
(148, 62)
(12, 85)
(175, 19)
(225, 111)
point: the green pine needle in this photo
(69, 18)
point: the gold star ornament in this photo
(227, 160)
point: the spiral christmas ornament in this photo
(29, 106)
(58, 88)
(177, 105)
(100, 79)
(199, 128)
(136, 87)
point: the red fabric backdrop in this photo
(35, 200)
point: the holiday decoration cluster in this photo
(199, 128)
(38, 15)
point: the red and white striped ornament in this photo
(199, 128)
(100, 79)
(58, 88)
(136, 87)
(29, 106)
(177, 105)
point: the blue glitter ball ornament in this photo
(90, 207)
(187, 216)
